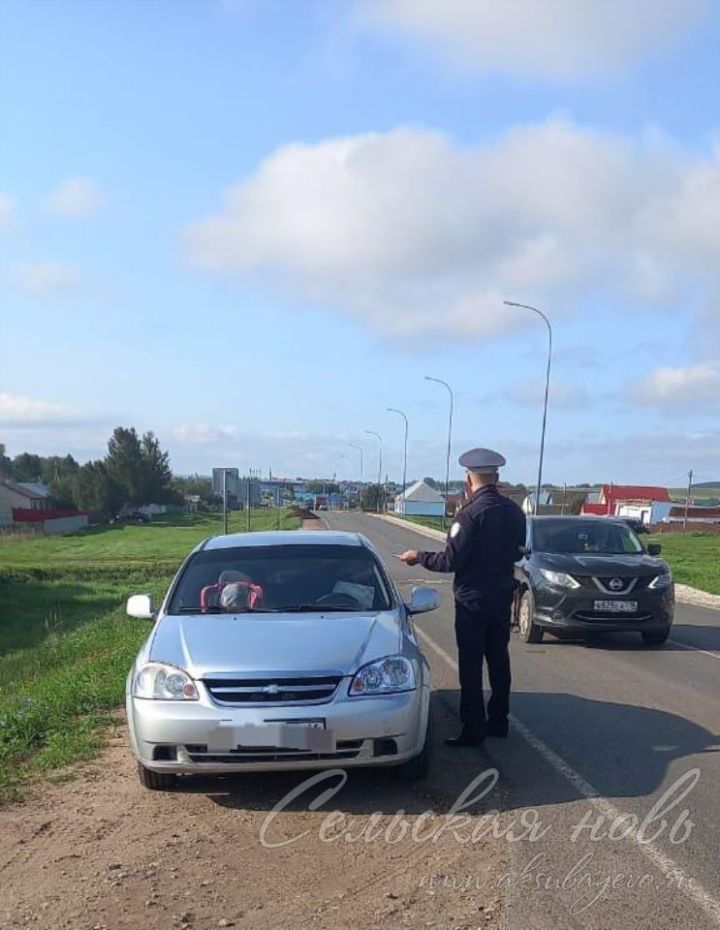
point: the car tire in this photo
(529, 631)
(655, 638)
(418, 767)
(156, 781)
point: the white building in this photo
(420, 500)
(648, 512)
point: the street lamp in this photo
(511, 303)
(400, 413)
(379, 439)
(449, 442)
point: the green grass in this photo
(693, 557)
(435, 523)
(65, 642)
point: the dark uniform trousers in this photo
(482, 631)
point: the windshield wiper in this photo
(308, 609)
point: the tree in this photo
(125, 464)
(322, 487)
(156, 467)
(27, 467)
(94, 489)
(432, 483)
(56, 467)
(5, 462)
(201, 485)
(370, 495)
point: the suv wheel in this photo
(156, 781)
(529, 631)
(656, 638)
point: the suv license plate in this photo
(617, 607)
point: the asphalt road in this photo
(614, 755)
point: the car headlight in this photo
(393, 673)
(559, 579)
(159, 682)
(662, 581)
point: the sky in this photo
(252, 226)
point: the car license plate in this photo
(617, 607)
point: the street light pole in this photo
(379, 439)
(360, 450)
(449, 442)
(405, 448)
(511, 303)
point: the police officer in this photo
(482, 547)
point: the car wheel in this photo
(655, 638)
(418, 767)
(529, 631)
(156, 781)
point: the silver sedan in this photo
(276, 651)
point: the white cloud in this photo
(6, 210)
(557, 39)
(76, 197)
(45, 279)
(201, 433)
(562, 394)
(413, 234)
(695, 388)
(16, 411)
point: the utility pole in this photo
(225, 509)
(687, 500)
(247, 501)
(449, 443)
(564, 499)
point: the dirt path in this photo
(102, 853)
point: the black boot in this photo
(498, 728)
(469, 736)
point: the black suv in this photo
(584, 575)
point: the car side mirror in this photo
(654, 549)
(141, 607)
(422, 600)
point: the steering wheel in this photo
(338, 599)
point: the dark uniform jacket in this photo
(482, 547)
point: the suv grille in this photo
(234, 691)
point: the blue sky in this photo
(252, 226)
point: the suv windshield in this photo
(274, 579)
(578, 536)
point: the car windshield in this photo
(576, 536)
(273, 579)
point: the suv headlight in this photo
(391, 674)
(559, 579)
(160, 682)
(662, 581)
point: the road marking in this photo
(669, 868)
(713, 655)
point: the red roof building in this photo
(611, 495)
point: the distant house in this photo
(695, 514)
(28, 503)
(16, 495)
(420, 500)
(614, 496)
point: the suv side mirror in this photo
(141, 607)
(654, 549)
(422, 600)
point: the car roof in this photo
(283, 538)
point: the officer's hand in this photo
(410, 557)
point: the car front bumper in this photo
(574, 610)
(196, 737)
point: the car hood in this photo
(641, 565)
(205, 644)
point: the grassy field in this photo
(693, 557)
(65, 642)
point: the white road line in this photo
(713, 655)
(669, 868)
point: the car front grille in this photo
(241, 691)
(345, 749)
